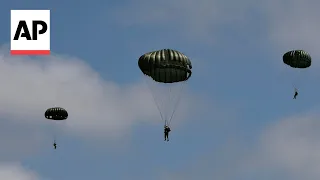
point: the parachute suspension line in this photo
(54, 130)
(167, 120)
(155, 100)
(294, 85)
(54, 139)
(297, 81)
(177, 102)
(167, 104)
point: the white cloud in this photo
(287, 24)
(15, 171)
(293, 24)
(286, 150)
(97, 108)
(293, 145)
(191, 19)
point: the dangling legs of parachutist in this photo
(166, 137)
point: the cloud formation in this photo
(285, 25)
(286, 150)
(97, 108)
(14, 171)
(293, 146)
(196, 20)
(293, 24)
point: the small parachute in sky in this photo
(166, 71)
(297, 59)
(56, 113)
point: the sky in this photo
(236, 120)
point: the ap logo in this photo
(30, 32)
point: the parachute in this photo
(56, 114)
(166, 72)
(298, 61)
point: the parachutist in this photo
(297, 59)
(56, 114)
(166, 70)
(295, 94)
(166, 132)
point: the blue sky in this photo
(237, 119)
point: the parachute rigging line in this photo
(154, 99)
(177, 102)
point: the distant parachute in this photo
(56, 113)
(297, 59)
(168, 70)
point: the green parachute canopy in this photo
(166, 66)
(166, 71)
(56, 113)
(297, 59)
